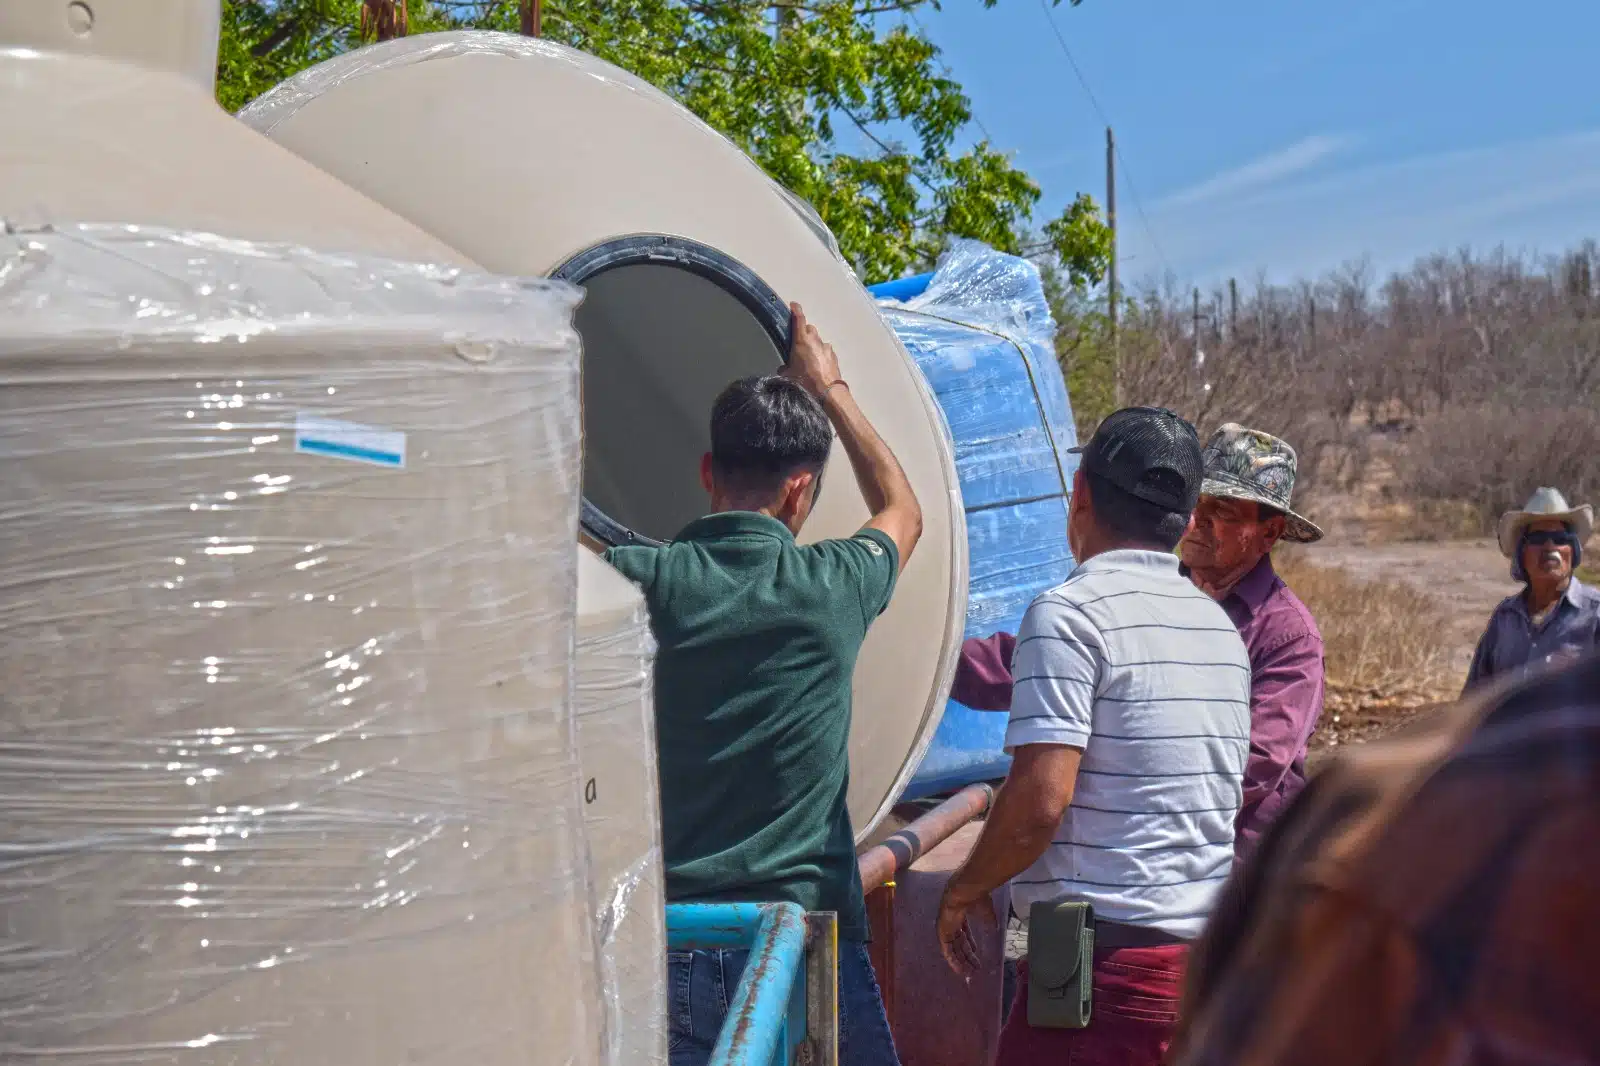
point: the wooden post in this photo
(1233, 309)
(1195, 326)
(1113, 292)
(532, 18)
(383, 20)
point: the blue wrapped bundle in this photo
(980, 329)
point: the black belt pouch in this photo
(1060, 964)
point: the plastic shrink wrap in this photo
(982, 334)
(287, 760)
(622, 809)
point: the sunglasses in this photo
(1559, 537)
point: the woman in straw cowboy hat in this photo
(1555, 616)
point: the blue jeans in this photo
(701, 985)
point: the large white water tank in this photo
(536, 159)
(118, 124)
(287, 758)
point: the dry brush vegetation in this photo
(1387, 650)
(1427, 403)
(1478, 376)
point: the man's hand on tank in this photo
(812, 361)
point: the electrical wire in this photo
(1127, 172)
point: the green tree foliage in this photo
(1083, 345)
(845, 102)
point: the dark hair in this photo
(1265, 512)
(764, 429)
(1132, 519)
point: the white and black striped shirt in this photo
(1130, 662)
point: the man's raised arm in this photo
(882, 481)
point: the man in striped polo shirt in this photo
(1129, 732)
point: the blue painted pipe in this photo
(754, 1033)
(710, 926)
(901, 288)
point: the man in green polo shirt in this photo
(757, 641)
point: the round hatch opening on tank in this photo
(666, 324)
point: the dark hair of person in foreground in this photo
(1427, 900)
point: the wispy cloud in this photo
(1541, 193)
(1265, 170)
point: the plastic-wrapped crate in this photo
(288, 764)
(622, 810)
(982, 334)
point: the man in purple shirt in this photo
(1244, 511)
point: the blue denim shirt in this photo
(1512, 643)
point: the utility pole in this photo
(1113, 293)
(1196, 326)
(532, 18)
(1233, 309)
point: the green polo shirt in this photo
(757, 639)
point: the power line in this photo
(1127, 172)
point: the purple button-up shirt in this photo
(1286, 688)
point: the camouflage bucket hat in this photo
(1246, 464)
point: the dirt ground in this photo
(1464, 579)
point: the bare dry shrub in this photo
(1490, 457)
(1403, 515)
(1481, 372)
(1385, 643)
(1245, 370)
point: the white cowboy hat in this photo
(1544, 503)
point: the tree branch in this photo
(277, 38)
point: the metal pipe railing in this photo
(756, 1031)
(879, 864)
(882, 863)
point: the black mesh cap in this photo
(1148, 452)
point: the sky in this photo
(1291, 137)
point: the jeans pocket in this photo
(680, 1018)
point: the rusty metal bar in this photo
(757, 1029)
(880, 863)
(880, 919)
(821, 1046)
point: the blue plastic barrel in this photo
(980, 329)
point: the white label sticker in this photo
(349, 440)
